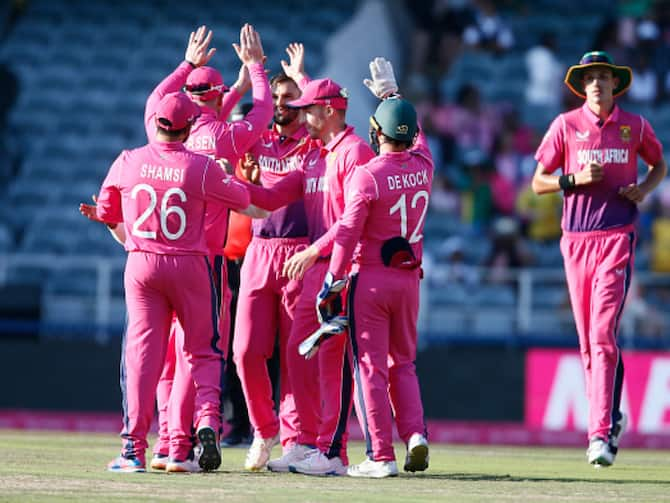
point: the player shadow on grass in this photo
(514, 478)
(465, 477)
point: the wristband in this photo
(566, 181)
(192, 65)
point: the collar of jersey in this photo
(332, 145)
(593, 118)
(169, 145)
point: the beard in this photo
(282, 119)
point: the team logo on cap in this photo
(402, 129)
(624, 133)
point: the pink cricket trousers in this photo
(175, 394)
(599, 267)
(383, 312)
(155, 287)
(265, 307)
(322, 386)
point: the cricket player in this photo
(159, 192)
(383, 222)
(323, 396)
(264, 289)
(597, 146)
(211, 135)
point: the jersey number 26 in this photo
(165, 212)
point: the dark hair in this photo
(280, 78)
(172, 135)
(396, 143)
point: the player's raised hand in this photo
(632, 192)
(197, 52)
(250, 49)
(89, 210)
(295, 68)
(383, 83)
(243, 82)
(591, 173)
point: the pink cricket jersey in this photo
(212, 135)
(386, 198)
(173, 83)
(574, 140)
(322, 181)
(278, 156)
(160, 192)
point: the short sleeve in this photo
(551, 152)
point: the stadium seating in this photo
(86, 68)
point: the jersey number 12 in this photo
(401, 206)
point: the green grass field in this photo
(48, 466)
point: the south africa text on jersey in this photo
(603, 156)
(278, 166)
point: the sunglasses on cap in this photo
(204, 88)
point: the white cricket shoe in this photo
(159, 461)
(259, 453)
(374, 469)
(318, 464)
(189, 465)
(417, 454)
(599, 453)
(297, 452)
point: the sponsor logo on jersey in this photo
(312, 162)
(579, 136)
(624, 133)
(603, 156)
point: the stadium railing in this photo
(81, 297)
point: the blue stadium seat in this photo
(494, 321)
(6, 238)
(549, 297)
(448, 321)
(494, 295)
(72, 282)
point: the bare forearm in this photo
(544, 183)
(655, 176)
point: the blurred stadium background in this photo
(486, 77)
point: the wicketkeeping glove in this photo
(336, 326)
(383, 83)
(329, 300)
